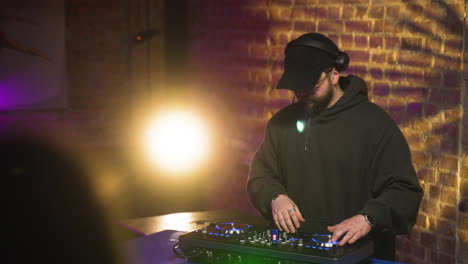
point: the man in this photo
(333, 161)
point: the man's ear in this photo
(335, 76)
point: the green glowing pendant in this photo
(300, 126)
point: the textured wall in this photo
(410, 54)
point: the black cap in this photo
(304, 62)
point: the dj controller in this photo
(228, 242)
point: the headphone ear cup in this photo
(342, 61)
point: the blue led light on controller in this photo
(324, 235)
(231, 226)
(334, 243)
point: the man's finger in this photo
(275, 218)
(294, 219)
(283, 224)
(337, 234)
(299, 215)
(331, 228)
(354, 238)
(346, 238)
(289, 225)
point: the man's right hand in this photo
(286, 214)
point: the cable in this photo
(179, 252)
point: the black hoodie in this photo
(350, 158)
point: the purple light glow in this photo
(28, 81)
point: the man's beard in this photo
(314, 104)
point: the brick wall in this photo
(409, 53)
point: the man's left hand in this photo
(351, 229)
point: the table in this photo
(188, 221)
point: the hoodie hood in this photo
(355, 91)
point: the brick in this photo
(411, 43)
(377, 73)
(410, 92)
(417, 250)
(376, 12)
(304, 26)
(421, 159)
(358, 26)
(434, 192)
(415, 109)
(452, 26)
(448, 195)
(447, 62)
(447, 245)
(378, 57)
(382, 102)
(415, 10)
(354, 1)
(453, 79)
(415, 75)
(449, 146)
(464, 172)
(361, 42)
(376, 42)
(334, 12)
(393, 26)
(391, 57)
(446, 228)
(438, 257)
(447, 130)
(346, 41)
(421, 27)
(380, 89)
(396, 106)
(393, 12)
(331, 26)
(399, 117)
(414, 234)
(432, 109)
(449, 212)
(395, 75)
(426, 175)
(448, 162)
(378, 26)
(422, 126)
(434, 45)
(414, 59)
(358, 70)
(392, 43)
(423, 222)
(433, 78)
(454, 46)
(449, 97)
(361, 11)
(428, 239)
(316, 12)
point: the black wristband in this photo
(369, 220)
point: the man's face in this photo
(319, 97)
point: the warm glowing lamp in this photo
(177, 141)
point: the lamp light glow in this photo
(177, 141)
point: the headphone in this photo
(341, 58)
